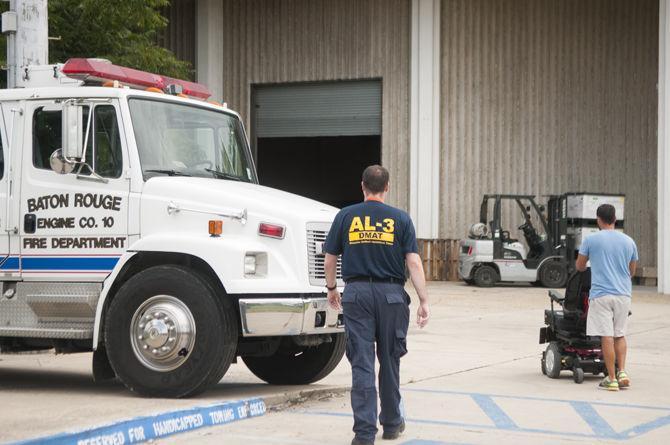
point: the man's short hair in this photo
(606, 213)
(375, 179)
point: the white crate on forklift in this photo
(585, 205)
(581, 233)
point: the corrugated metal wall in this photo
(275, 41)
(549, 96)
(538, 96)
(179, 35)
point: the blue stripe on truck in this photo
(68, 263)
(73, 263)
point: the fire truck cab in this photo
(134, 226)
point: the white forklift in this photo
(549, 238)
(491, 254)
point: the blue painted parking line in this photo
(142, 429)
(494, 412)
(462, 425)
(646, 427)
(585, 410)
(539, 399)
(502, 421)
(594, 420)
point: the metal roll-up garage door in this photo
(347, 108)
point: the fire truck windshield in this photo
(180, 140)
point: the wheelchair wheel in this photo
(552, 361)
(578, 375)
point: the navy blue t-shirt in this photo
(373, 239)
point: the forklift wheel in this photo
(485, 276)
(553, 275)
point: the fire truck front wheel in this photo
(167, 334)
(299, 367)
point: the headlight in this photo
(250, 265)
(255, 264)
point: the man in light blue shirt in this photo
(613, 256)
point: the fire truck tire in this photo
(299, 368)
(167, 334)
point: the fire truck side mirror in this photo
(73, 131)
(59, 164)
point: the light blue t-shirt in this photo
(610, 253)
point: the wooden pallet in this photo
(646, 276)
(440, 259)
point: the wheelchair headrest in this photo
(577, 289)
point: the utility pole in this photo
(26, 26)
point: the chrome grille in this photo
(316, 236)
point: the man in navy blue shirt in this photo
(376, 242)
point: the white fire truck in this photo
(135, 227)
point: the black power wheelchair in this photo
(569, 347)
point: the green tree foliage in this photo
(122, 31)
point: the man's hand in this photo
(334, 299)
(330, 266)
(422, 315)
(415, 267)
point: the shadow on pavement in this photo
(55, 381)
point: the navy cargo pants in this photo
(375, 313)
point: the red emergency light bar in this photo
(97, 70)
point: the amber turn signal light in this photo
(215, 227)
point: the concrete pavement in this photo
(472, 376)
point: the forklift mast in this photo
(557, 215)
(496, 221)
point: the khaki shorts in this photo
(608, 316)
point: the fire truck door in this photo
(9, 242)
(73, 225)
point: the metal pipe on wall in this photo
(663, 147)
(425, 118)
(209, 47)
(27, 27)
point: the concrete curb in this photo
(165, 424)
(279, 402)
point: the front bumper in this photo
(264, 317)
